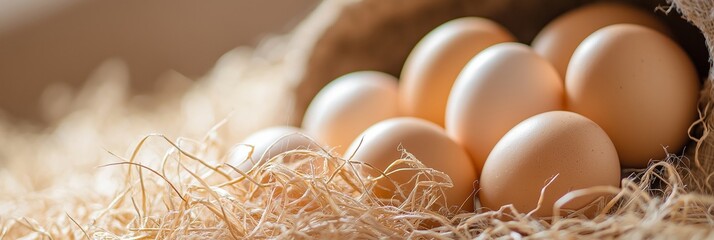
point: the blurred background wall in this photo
(64, 40)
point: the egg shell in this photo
(639, 86)
(433, 65)
(271, 142)
(268, 143)
(349, 105)
(559, 39)
(558, 143)
(500, 87)
(380, 146)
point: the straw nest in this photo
(98, 171)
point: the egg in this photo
(349, 105)
(431, 68)
(380, 145)
(268, 143)
(562, 145)
(500, 87)
(639, 86)
(558, 40)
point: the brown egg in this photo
(429, 144)
(349, 105)
(558, 40)
(558, 143)
(500, 87)
(268, 143)
(437, 59)
(639, 86)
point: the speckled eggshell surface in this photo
(557, 143)
(639, 86)
(381, 144)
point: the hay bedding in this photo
(74, 180)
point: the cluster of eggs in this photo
(601, 88)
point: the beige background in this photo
(64, 40)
